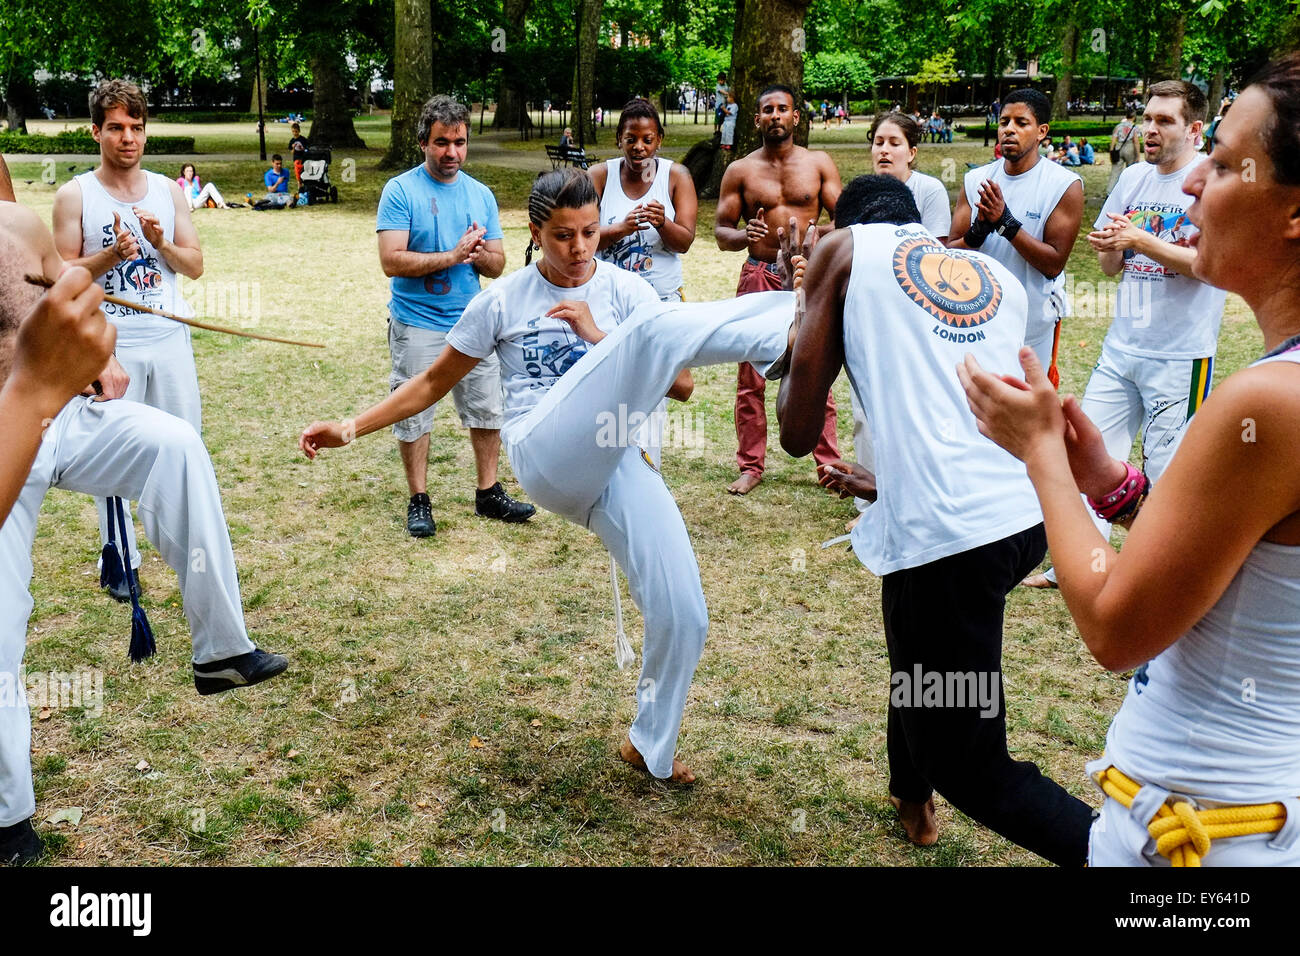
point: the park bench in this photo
(567, 156)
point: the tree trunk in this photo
(331, 115)
(1169, 65)
(512, 103)
(412, 80)
(20, 97)
(1065, 77)
(1215, 99)
(259, 81)
(768, 48)
(584, 73)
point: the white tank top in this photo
(148, 280)
(643, 252)
(1217, 713)
(913, 309)
(1031, 197)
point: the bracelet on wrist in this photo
(1125, 499)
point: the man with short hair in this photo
(776, 182)
(1157, 359)
(1024, 211)
(1124, 141)
(118, 448)
(957, 522)
(438, 232)
(131, 229)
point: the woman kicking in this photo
(582, 343)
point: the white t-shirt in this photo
(509, 317)
(932, 200)
(912, 310)
(1032, 198)
(1160, 313)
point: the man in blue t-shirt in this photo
(277, 177)
(438, 232)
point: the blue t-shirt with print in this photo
(435, 215)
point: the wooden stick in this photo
(47, 283)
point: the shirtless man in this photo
(773, 184)
(6, 184)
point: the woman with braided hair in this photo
(587, 351)
(1202, 762)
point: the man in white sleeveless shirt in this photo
(956, 523)
(131, 229)
(120, 448)
(1025, 211)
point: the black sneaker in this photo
(495, 503)
(117, 587)
(20, 844)
(243, 670)
(419, 516)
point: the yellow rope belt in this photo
(1183, 833)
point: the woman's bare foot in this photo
(1041, 581)
(746, 483)
(918, 820)
(629, 753)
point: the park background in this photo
(455, 700)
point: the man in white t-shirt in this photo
(131, 229)
(1158, 357)
(1025, 212)
(956, 523)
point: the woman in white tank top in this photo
(893, 139)
(647, 204)
(1204, 600)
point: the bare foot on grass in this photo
(743, 485)
(629, 753)
(1040, 581)
(918, 820)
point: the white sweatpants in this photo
(127, 450)
(862, 449)
(208, 191)
(563, 460)
(162, 375)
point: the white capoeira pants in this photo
(564, 462)
(127, 450)
(162, 375)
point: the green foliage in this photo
(80, 141)
(835, 73)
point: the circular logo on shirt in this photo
(960, 291)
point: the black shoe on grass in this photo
(495, 503)
(419, 516)
(243, 670)
(20, 844)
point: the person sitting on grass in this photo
(277, 182)
(197, 193)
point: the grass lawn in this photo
(438, 711)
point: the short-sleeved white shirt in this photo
(509, 317)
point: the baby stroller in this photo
(316, 177)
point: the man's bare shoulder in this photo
(19, 220)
